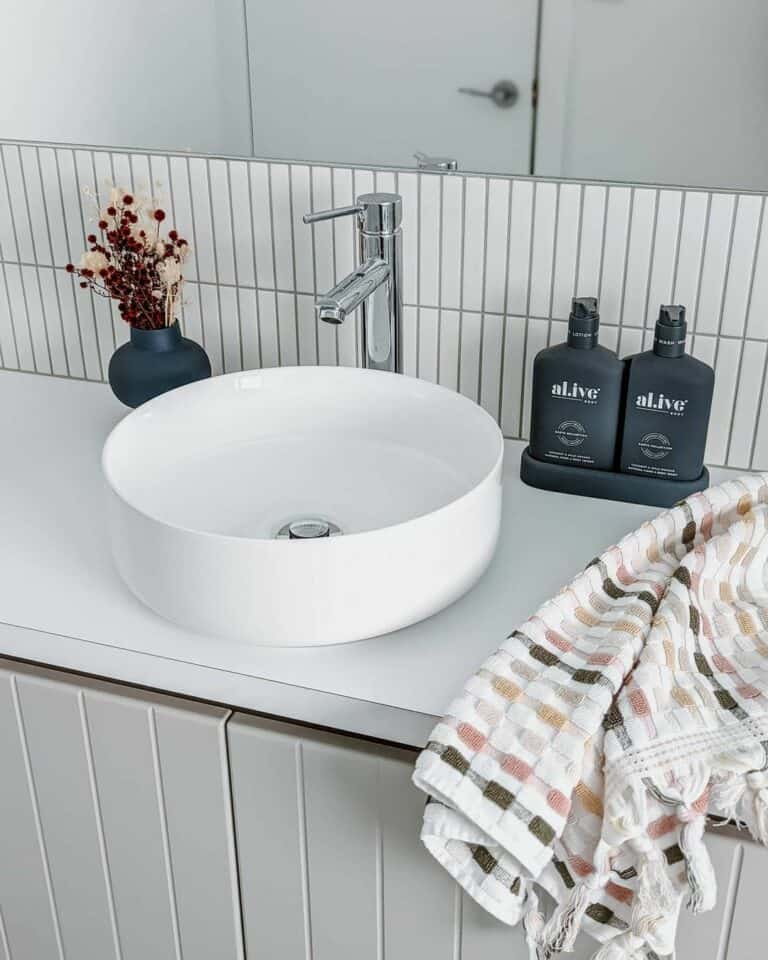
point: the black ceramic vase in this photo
(153, 362)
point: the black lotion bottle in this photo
(577, 389)
(669, 396)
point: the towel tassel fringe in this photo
(702, 883)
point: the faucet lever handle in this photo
(333, 214)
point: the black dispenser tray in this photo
(607, 484)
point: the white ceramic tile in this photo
(49, 295)
(282, 227)
(557, 333)
(520, 233)
(261, 225)
(229, 314)
(105, 333)
(748, 379)
(345, 258)
(35, 206)
(363, 182)
(535, 340)
(630, 341)
(410, 341)
(512, 378)
(691, 250)
(240, 201)
(221, 220)
(497, 246)
(307, 329)
(385, 181)
(716, 248)
(639, 257)
(429, 240)
(8, 353)
(22, 235)
(757, 319)
(19, 313)
(609, 336)
(8, 249)
(322, 233)
(452, 234)
(212, 330)
(490, 363)
(591, 241)
(191, 307)
(668, 214)
(73, 346)
(60, 253)
(409, 190)
(102, 176)
(270, 350)
(566, 248)
(202, 232)
(474, 243)
(120, 164)
(723, 398)
(249, 320)
(469, 354)
(287, 328)
(614, 253)
(179, 188)
(741, 264)
(448, 357)
(427, 329)
(301, 203)
(141, 177)
(545, 212)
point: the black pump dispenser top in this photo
(669, 337)
(583, 323)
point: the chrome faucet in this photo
(375, 286)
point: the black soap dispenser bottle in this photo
(669, 396)
(577, 389)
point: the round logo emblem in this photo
(655, 446)
(570, 433)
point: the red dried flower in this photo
(111, 211)
(83, 284)
(91, 238)
(173, 235)
(70, 268)
(103, 224)
(128, 199)
(159, 215)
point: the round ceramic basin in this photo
(298, 506)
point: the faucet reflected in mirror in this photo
(375, 286)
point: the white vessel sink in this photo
(205, 480)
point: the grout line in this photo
(274, 262)
(606, 199)
(579, 236)
(334, 265)
(678, 244)
(88, 748)
(10, 316)
(726, 277)
(98, 208)
(163, 812)
(83, 232)
(313, 244)
(419, 198)
(440, 229)
(357, 325)
(36, 815)
(293, 263)
(235, 269)
(627, 244)
(301, 804)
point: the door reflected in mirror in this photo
(665, 91)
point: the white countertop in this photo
(62, 603)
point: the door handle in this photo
(504, 93)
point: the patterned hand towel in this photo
(583, 756)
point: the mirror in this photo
(663, 91)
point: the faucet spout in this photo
(350, 292)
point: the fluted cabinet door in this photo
(116, 836)
(331, 865)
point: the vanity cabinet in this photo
(116, 835)
(139, 826)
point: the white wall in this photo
(665, 91)
(169, 75)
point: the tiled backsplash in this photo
(490, 266)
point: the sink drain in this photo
(308, 528)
